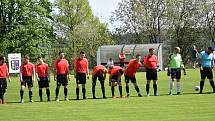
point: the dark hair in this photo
(82, 52)
(39, 57)
(60, 52)
(26, 57)
(150, 49)
(110, 58)
(121, 71)
(210, 49)
(1, 57)
(138, 55)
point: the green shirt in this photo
(175, 61)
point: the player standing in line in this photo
(122, 58)
(82, 71)
(61, 75)
(27, 76)
(99, 72)
(175, 65)
(206, 64)
(43, 77)
(3, 82)
(151, 64)
(130, 72)
(115, 77)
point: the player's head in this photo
(110, 59)
(120, 72)
(61, 55)
(138, 57)
(177, 50)
(26, 59)
(40, 59)
(210, 50)
(82, 55)
(152, 51)
(2, 59)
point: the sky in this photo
(103, 9)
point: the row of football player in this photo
(61, 75)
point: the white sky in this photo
(103, 10)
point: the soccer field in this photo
(189, 106)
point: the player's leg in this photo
(134, 81)
(77, 85)
(40, 83)
(171, 84)
(155, 87)
(30, 93)
(58, 84)
(83, 83)
(65, 84)
(127, 85)
(4, 88)
(47, 89)
(203, 74)
(102, 82)
(178, 78)
(94, 78)
(1, 91)
(120, 87)
(155, 78)
(210, 77)
(148, 78)
(113, 80)
(22, 87)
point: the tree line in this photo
(39, 27)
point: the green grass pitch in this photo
(189, 106)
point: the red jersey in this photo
(122, 57)
(61, 66)
(81, 65)
(3, 71)
(96, 69)
(115, 70)
(27, 69)
(150, 61)
(132, 68)
(42, 70)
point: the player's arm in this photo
(48, 73)
(68, 76)
(8, 75)
(110, 80)
(34, 73)
(88, 73)
(55, 70)
(20, 74)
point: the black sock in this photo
(40, 94)
(30, 95)
(1, 95)
(56, 92)
(84, 93)
(4, 92)
(127, 89)
(212, 85)
(94, 91)
(147, 88)
(201, 85)
(65, 92)
(48, 94)
(21, 94)
(77, 93)
(155, 88)
(120, 90)
(137, 89)
(112, 90)
(103, 88)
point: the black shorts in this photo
(176, 73)
(114, 79)
(122, 64)
(100, 77)
(128, 78)
(206, 72)
(81, 78)
(3, 84)
(27, 80)
(44, 82)
(151, 74)
(62, 80)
